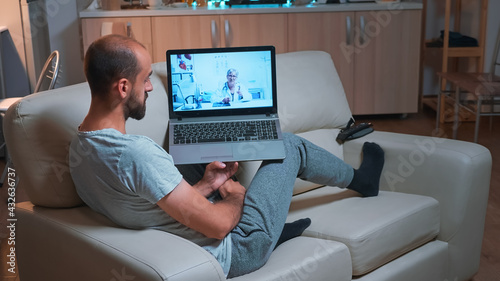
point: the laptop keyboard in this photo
(231, 131)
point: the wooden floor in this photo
(418, 124)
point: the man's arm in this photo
(216, 174)
(215, 220)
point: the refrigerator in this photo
(25, 45)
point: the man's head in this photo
(118, 69)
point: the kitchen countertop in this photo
(253, 9)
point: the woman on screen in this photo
(232, 90)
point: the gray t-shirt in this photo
(123, 177)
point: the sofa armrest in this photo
(79, 244)
(456, 173)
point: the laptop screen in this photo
(221, 81)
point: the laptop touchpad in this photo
(216, 151)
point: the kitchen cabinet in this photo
(136, 27)
(376, 54)
(205, 31)
(255, 29)
(183, 32)
(329, 32)
(387, 61)
(375, 47)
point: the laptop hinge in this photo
(179, 118)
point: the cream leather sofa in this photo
(426, 224)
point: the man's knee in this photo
(255, 245)
(250, 252)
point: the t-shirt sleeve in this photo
(148, 170)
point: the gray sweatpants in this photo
(268, 199)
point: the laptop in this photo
(223, 105)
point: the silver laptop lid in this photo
(197, 77)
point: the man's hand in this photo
(226, 100)
(216, 174)
(214, 220)
(231, 187)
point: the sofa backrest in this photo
(310, 93)
(39, 128)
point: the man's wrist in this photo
(204, 188)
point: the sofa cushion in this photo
(428, 262)
(106, 248)
(38, 130)
(80, 244)
(375, 229)
(310, 93)
(305, 258)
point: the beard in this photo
(135, 108)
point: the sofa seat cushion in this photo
(376, 229)
(80, 244)
(305, 258)
(83, 236)
(428, 262)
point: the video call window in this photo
(200, 81)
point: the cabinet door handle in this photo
(348, 35)
(129, 30)
(362, 25)
(226, 31)
(215, 42)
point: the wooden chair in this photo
(483, 87)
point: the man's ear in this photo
(123, 87)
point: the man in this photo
(134, 182)
(232, 91)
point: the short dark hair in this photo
(109, 59)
